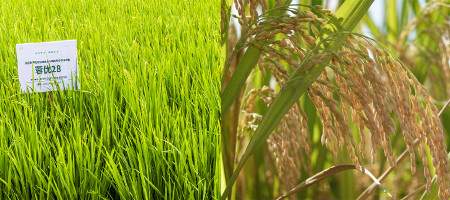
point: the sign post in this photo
(47, 66)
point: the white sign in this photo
(47, 66)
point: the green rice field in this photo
(145, 123)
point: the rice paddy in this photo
(145, 123)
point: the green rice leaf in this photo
(345, 19)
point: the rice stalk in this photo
(345, 19)
(370, 85)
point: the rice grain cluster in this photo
(363, 83)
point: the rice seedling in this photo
(145, 123)
(363, 94)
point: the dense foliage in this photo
(145, 124)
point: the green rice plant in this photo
(355, 84)
(145, 123)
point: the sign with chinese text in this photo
(47, 66)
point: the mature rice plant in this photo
(145, 123)
(361, 91)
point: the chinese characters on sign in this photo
(47, 66)
(47, 69)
